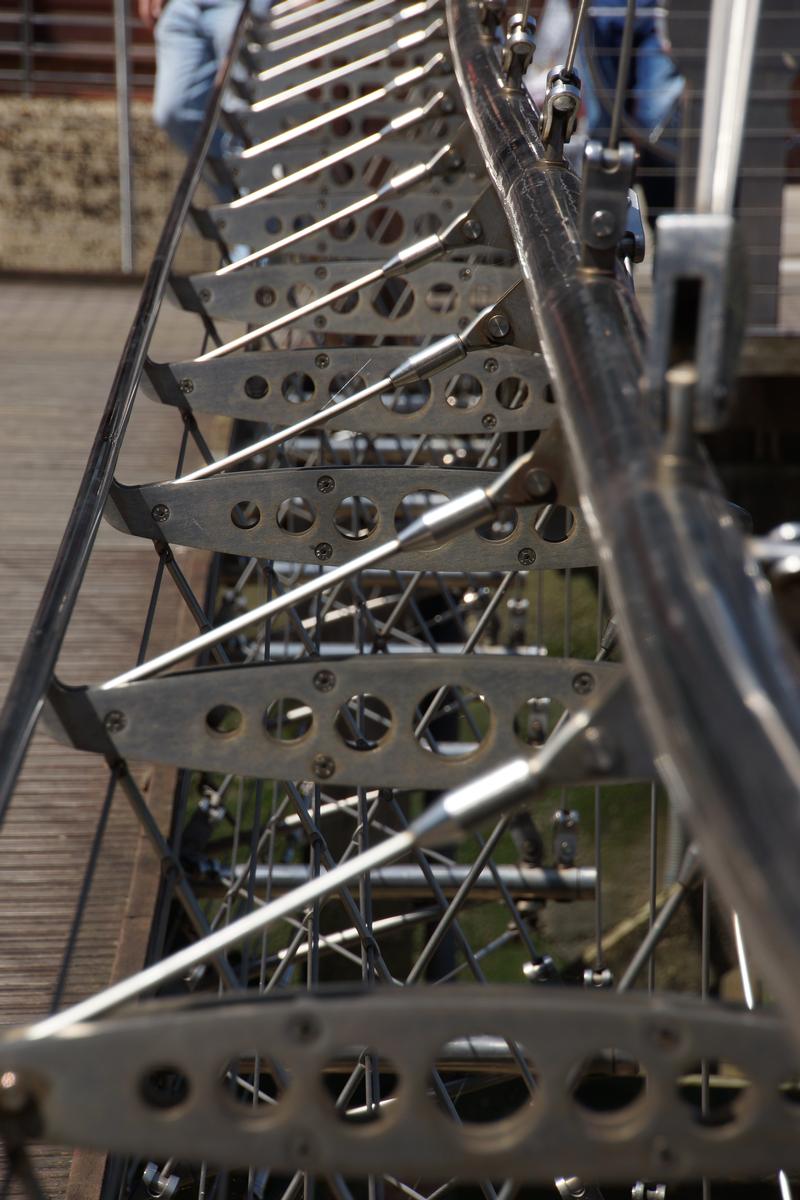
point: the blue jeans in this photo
(654, 83)
(192, 37)
(654, 86)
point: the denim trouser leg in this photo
(191, 39)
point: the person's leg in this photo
(657, 85)
(186, 63)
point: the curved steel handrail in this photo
(36, 665)
(714, 674)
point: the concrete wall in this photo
(60, 194)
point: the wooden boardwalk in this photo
(60, 347)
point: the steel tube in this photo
(407, 881)
(716, 678)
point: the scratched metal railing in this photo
(409, 674)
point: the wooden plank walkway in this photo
(60, 347)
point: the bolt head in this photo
(323, 551)
(205, 295)
(265, 297)
(498, 326)
(186, 386)
(326, 484)
(324, 681)
(491, 365)
(114, 721)
(323, 766)
(472, 230)
(602, 223)
(538, 483)
(526, 556)
(159, 512)
(303, 1029)
(583, 683)
(322, 361)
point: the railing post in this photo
(124, 148)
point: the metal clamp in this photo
(559, 116)
(607, 179)
(518, 49)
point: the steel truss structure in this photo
(486, 653)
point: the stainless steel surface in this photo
(392, 763)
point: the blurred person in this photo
(652, 109)
(192, 38)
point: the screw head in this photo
(489, 421)
(303, 1029)
(472, 230)
(320, 322)
(602, 223)
(465, 273)
(321, 272)
(265, 297)
(538, 483)
(326, 484)
(159, 512)
(323, 551)
(322, 361)
(186, 386)
(114, 721)
(526, 556)
(205, 294)
(665, 1037)
(324, 681)
(222, 224)
(583, 683)
(323, 766)
(256, 387)
(447, 105)
(491, 365)
(498, 326)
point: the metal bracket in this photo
(559, 115)
(178, 719)
(699, 311)
(410, 1031)
(432, 298)
(332, 515)
(607, 178)
(507, 391)
(518, 49)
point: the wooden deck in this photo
(60, 347)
